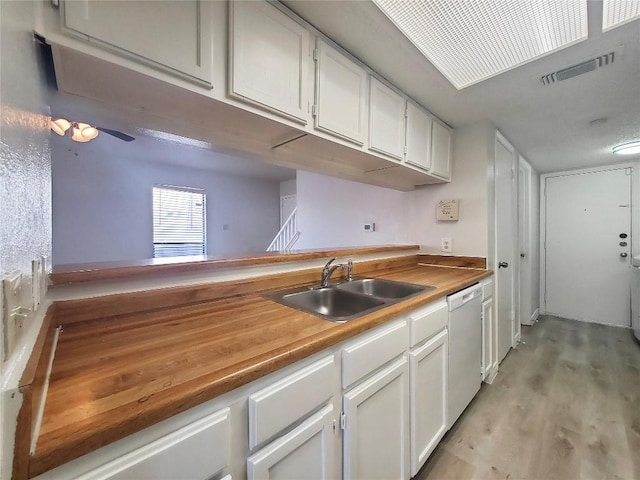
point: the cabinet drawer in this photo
(487, 288)
(366, 354)
(427, 321)
(277, 406)
(199, 450)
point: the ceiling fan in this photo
(83, 132)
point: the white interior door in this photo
(588, 246)
(506, 243)
(287, 204)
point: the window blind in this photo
(178, 221)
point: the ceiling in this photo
(548, 124)
(159, 147)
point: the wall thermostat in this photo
(447, 210)
(370, 227)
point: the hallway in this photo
(565, 405)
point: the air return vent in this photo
(579, 69)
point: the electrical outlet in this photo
(446, 244)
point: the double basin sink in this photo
(349, 300)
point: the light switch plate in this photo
(12, 324)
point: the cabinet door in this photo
(418, 136)
(428, 372)
(375, 422)
(440, 150)
(341, 95)
(196, 451)
(268, 59)
(174, 35)
(386, 120)
(305, 452)
(487, 338)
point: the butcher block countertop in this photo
(112, 377)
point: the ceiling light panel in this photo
(470, 41)
(618, 12)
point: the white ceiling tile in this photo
(470, 41)
(618, 12)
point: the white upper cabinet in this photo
(175, 36)
(441, 137)
(268, 59)
(418, 151)
(341, 95)
(386, 120)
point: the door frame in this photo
(525, 240)
(515, 337)
(543, 215)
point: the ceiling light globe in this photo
(77, 136)
(59, 126)
(89, 132)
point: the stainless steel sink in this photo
(330, 303)
(377, 287)
(346, 301)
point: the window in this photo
(178, 221)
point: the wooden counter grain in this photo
(112, 377)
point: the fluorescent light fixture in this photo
(170, 137)
(472, 40)
(631, 148)
(619, 12)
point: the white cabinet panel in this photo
(268, 59)
(386, 120)
(301, 392)
(428, 371)
(489, 342)
(368, 352)
(418, 151)
(426, 321)
(341, 95)
(304, 453)
(197, 451)
(175, 35)
(440, 150)
(376, 437)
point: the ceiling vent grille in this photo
(579, 69)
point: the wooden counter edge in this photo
(92, 272)
(452, 261)
(31, 387)
(173, 403)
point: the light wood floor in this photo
(565, 405)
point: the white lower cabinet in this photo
(428, 386)
(376, 426)
(306, 452)
(196, 451)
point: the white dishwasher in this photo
(465, 350)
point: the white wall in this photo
(288, 187)
(470, 233)
(102, 204)
(25, 189)
(332, 213)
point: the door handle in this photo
(623, 254)
(503, 264)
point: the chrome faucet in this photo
(328, 270)
(350, 270)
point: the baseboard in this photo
(491, 376)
